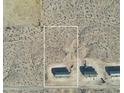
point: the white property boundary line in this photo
(44, 53)
(77, 58)
(53, 86)
(61, 26)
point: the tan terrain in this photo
(85, 31)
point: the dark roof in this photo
(87, 70)
(60, 71)
(112, 69)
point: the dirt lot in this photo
(60, 49)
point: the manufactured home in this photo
(113, 71)
(88, 71)
(60, 72)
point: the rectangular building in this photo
(113, 71)
(60, 72)
(88, 71)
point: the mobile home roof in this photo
(87, 70)
(112, 69)
(60, 71)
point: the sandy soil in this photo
(97, 42)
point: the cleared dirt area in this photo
(60, 49)
(99, 66)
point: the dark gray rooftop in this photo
(87, 70)
(60, 71)
(112, 69)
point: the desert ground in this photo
(41, 34)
